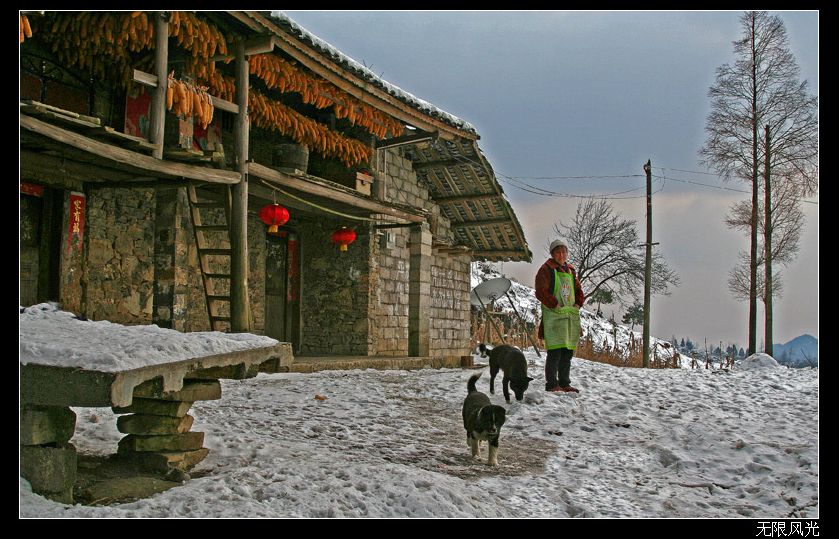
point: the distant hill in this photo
(797, 351)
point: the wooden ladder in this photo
(212, 236)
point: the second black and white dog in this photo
(511, 360)
(482, 421)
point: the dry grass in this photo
(631, 356)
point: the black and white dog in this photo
(510, 360)
(482, 421)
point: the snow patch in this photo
(50, 336)
(757, 361)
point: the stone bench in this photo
(152, 402)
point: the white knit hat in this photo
(557, 243)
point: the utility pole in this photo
(648, 169)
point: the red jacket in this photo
(545, 285)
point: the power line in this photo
(691, 171)
(544, 192)
(717, 186)
(571, 177)
(515, 181)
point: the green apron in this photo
(562, 323)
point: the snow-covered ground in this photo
(633, 443)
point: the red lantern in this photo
(343, 237)
(274, 216)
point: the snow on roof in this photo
(50, 336)
(365, 73)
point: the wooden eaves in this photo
(348, 82)
(122, 159)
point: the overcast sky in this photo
(598, 93)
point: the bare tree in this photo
(787, 223)
(739, 283)
(608, 254)
(761, 88)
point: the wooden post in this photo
(239, 306)
(161, 66)
(648, 264)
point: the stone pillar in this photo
(158, 436)
(419, 291)
(47, 460)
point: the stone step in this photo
(154, 424)
(124, 489)
(188, 441)
(203, 390)
(163, 461)
(50, 470)
(155, 407)
(46, 425)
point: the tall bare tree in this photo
(607, 253)
(762, 88)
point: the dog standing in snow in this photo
(511, 360)
(482, 421)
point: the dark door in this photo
(282, 312)
(30, 240)
(40, 249)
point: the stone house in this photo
(138, 208)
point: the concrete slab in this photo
(69, 386)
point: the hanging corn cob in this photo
(272, 115)
(282, 75)
(185, 99)
(25, 29)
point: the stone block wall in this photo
(389, 294)
(401, 184)
(450, 314)
(257, 251)
(119, 266)
(336, 291)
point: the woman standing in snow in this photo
(559, 291)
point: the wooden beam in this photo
(407, 139)
(313, 188)
(357, 87)
(393, 225)
(157, 110)
(225, 105)
(499, 254)
(465, 198)
(256, 45)
(125, 157)
(462, 249)
(485, 222)
(441, 163)
(147, 79)
(239, 303)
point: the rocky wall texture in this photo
(119, 266)
(335, 291)
(450, 314)
(389, 293)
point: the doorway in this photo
(282, 288)
(41, 210)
